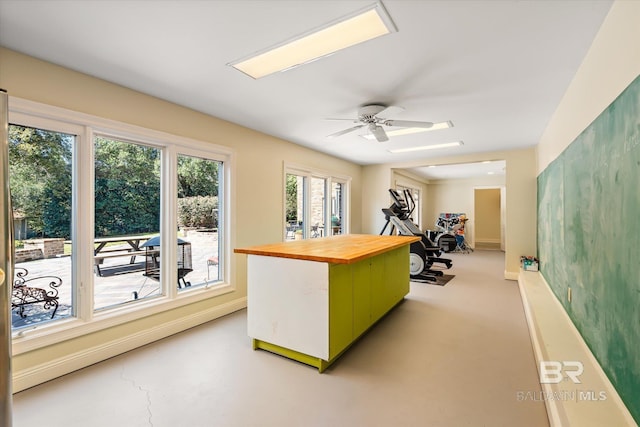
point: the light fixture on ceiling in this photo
(365, 24)
(408, 131)
(427, 147)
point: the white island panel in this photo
(288, 303)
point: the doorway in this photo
(489, 212)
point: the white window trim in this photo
(412, 186)
(83, 125)
(308, 172)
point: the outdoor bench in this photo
(100, 257)
(22, 294)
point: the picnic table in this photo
(133, 241)
(102, 251)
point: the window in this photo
(110, 228)
(126, 215)
(294, 206)
(415, 203)
(309, 211)
(318, 214)
(199, 219)
(41, 177)
(337, 207)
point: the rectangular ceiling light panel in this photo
(408, 131)
(349, 31)
(428, 147)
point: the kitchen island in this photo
(309, 300)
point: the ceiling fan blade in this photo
(391, 110)
(379, 133)
(407, 124)
(342, 132)
(335, 118)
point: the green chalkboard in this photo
(589, 238)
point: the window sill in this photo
(29, 339)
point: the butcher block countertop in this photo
(342, 249)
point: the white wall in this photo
(612, 62)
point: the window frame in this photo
(223, 215)
(343, 206)
(417, 216)
(85, 127)
(309, 173)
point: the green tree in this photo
(291, 198)
(198, 181)
(127, 184)
(197, 177)
(40, 178)
(127, 188)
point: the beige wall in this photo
(376, 181)
(611, 63)
(487, 215)
(457, 195)
(257, 199)
(520, 183)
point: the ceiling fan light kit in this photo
(378, 132)
(363, 25)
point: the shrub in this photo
(198, 211)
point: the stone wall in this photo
(50, 248)
(23, 255)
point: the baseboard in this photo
(592, 402)
(488, 240)
(58, 367)
(511, 275)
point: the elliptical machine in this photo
(445, 237)
(423, 253)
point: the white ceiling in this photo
(496, 68)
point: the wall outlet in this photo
(569, 294)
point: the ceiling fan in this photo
(369, 117)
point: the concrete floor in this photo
(454, 355)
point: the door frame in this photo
(503, 212)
